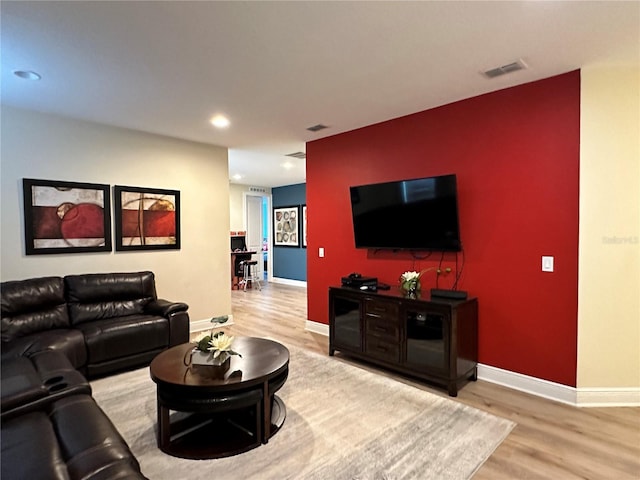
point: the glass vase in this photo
(411, 288)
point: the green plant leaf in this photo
(203, 345)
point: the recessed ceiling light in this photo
(220, 121)
(237, 176)
(27, 74)
(288, 165)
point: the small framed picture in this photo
(66, 217)
(304, 226)
(146, 218)
(286, 227)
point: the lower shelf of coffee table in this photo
(205, 435)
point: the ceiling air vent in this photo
(301, 155)
(317, 127)
(504, 69)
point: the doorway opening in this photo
(258, 239)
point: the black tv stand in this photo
(432, 338)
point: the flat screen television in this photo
(416, 214)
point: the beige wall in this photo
(609, 252)
(42, 146)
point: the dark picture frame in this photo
(286, 231)
(303, 235)
(146, 218)
(66, 217)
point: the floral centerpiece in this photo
(213, 349)
(410, 281)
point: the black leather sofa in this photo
(101, 322)
(53, 429)
(57, 332)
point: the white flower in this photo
(216, 344)
(220, 343)
(409, 276)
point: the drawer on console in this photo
(382, 350)
(382, 327)
(377, 309)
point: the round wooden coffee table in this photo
(219, 411)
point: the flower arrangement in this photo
(217, 345)
(410, 281)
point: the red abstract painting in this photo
(147, 218)
(66, 217)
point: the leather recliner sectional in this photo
(57, 332)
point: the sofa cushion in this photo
(124, 336)
(71, 438)
(89, 442)
(33, 305)
(100, 296)
(30, 449)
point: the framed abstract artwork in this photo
(146, 218)
(304, 226)
(285, 227)
(66, 217)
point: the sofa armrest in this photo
(19, 391)
(32, 383)
(176, 313)
(165, 308)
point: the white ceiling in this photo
(276, 68)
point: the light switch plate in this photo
(321, 252)
(547, 264)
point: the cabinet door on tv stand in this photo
(427, 341)
(345, 323)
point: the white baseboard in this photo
(608, 397)
(317, 327)
(288, 281)
(524, 383)
(575, 396)
(578, 397)
(202, 325)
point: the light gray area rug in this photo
(342, 422)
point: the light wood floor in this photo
(551, 440)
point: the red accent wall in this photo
(516, 156)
